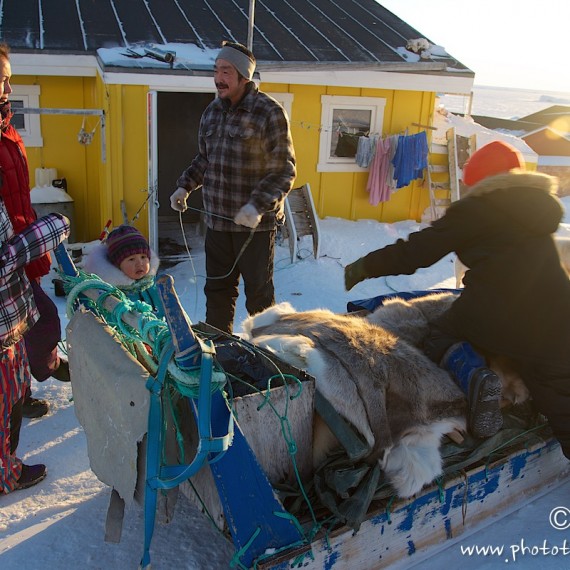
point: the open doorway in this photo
(177, 122)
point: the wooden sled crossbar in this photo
(400, 533)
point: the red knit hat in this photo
(491, 159)
(123, 242)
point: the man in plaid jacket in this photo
(246, 167)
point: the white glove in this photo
(178, 200)
(248, 216)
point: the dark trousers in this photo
(230, 255)
(438, 342)
(548, 383)
(442, 335)
(15, 425)
(41, 340)
(549, 387)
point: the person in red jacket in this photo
(42, 339)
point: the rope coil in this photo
(150, 331)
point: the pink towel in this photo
(378, 186)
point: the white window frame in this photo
(286, 101)
(329, 103)
(30, 96)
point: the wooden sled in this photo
(240, 487)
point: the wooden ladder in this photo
(444, 182)
(301, 220)
(459, 149)
(439, 189)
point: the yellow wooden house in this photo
(112, 99)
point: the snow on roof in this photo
(466, 126)
(184, 56)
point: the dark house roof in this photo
(527, 124)
(496, 123)
(305, 31)
(549, 115)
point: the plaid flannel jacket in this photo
(17, 308)
(245, 155)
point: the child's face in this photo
(135, 266)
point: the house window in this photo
(28, 125)
(286, 100)
(343, 121)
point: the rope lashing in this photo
(149, 330)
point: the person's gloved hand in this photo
(178, 200)
(354, 273)
(248, 216)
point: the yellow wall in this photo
(100, 187)
(343, 194)
(97, 186)
(127, 170)
(75, 162)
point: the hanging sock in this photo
(481, 386)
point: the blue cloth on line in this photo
(410, 159)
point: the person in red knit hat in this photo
(42, 339)
(516, 296)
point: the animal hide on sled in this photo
(386, 388)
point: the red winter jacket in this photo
(15, 190)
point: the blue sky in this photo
(507, 43)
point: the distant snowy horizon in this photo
(505, 102)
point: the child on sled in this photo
(126, 261)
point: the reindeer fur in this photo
(400, 401)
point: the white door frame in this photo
(153, 203)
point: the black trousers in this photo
(42, 338)
(549, 387)
(229, 256)
(15, 425)
(442, 335)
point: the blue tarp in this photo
(374, 302)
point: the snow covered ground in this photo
(59, 524)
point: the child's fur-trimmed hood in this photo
(98, 263)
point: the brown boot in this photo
(31, 475)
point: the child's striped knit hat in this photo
(123, 242)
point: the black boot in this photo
(481, 386)
(62, 371)
(31, 475)
(34, 408)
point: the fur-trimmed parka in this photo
(143, 289)
(15, 191)
(516, 300)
